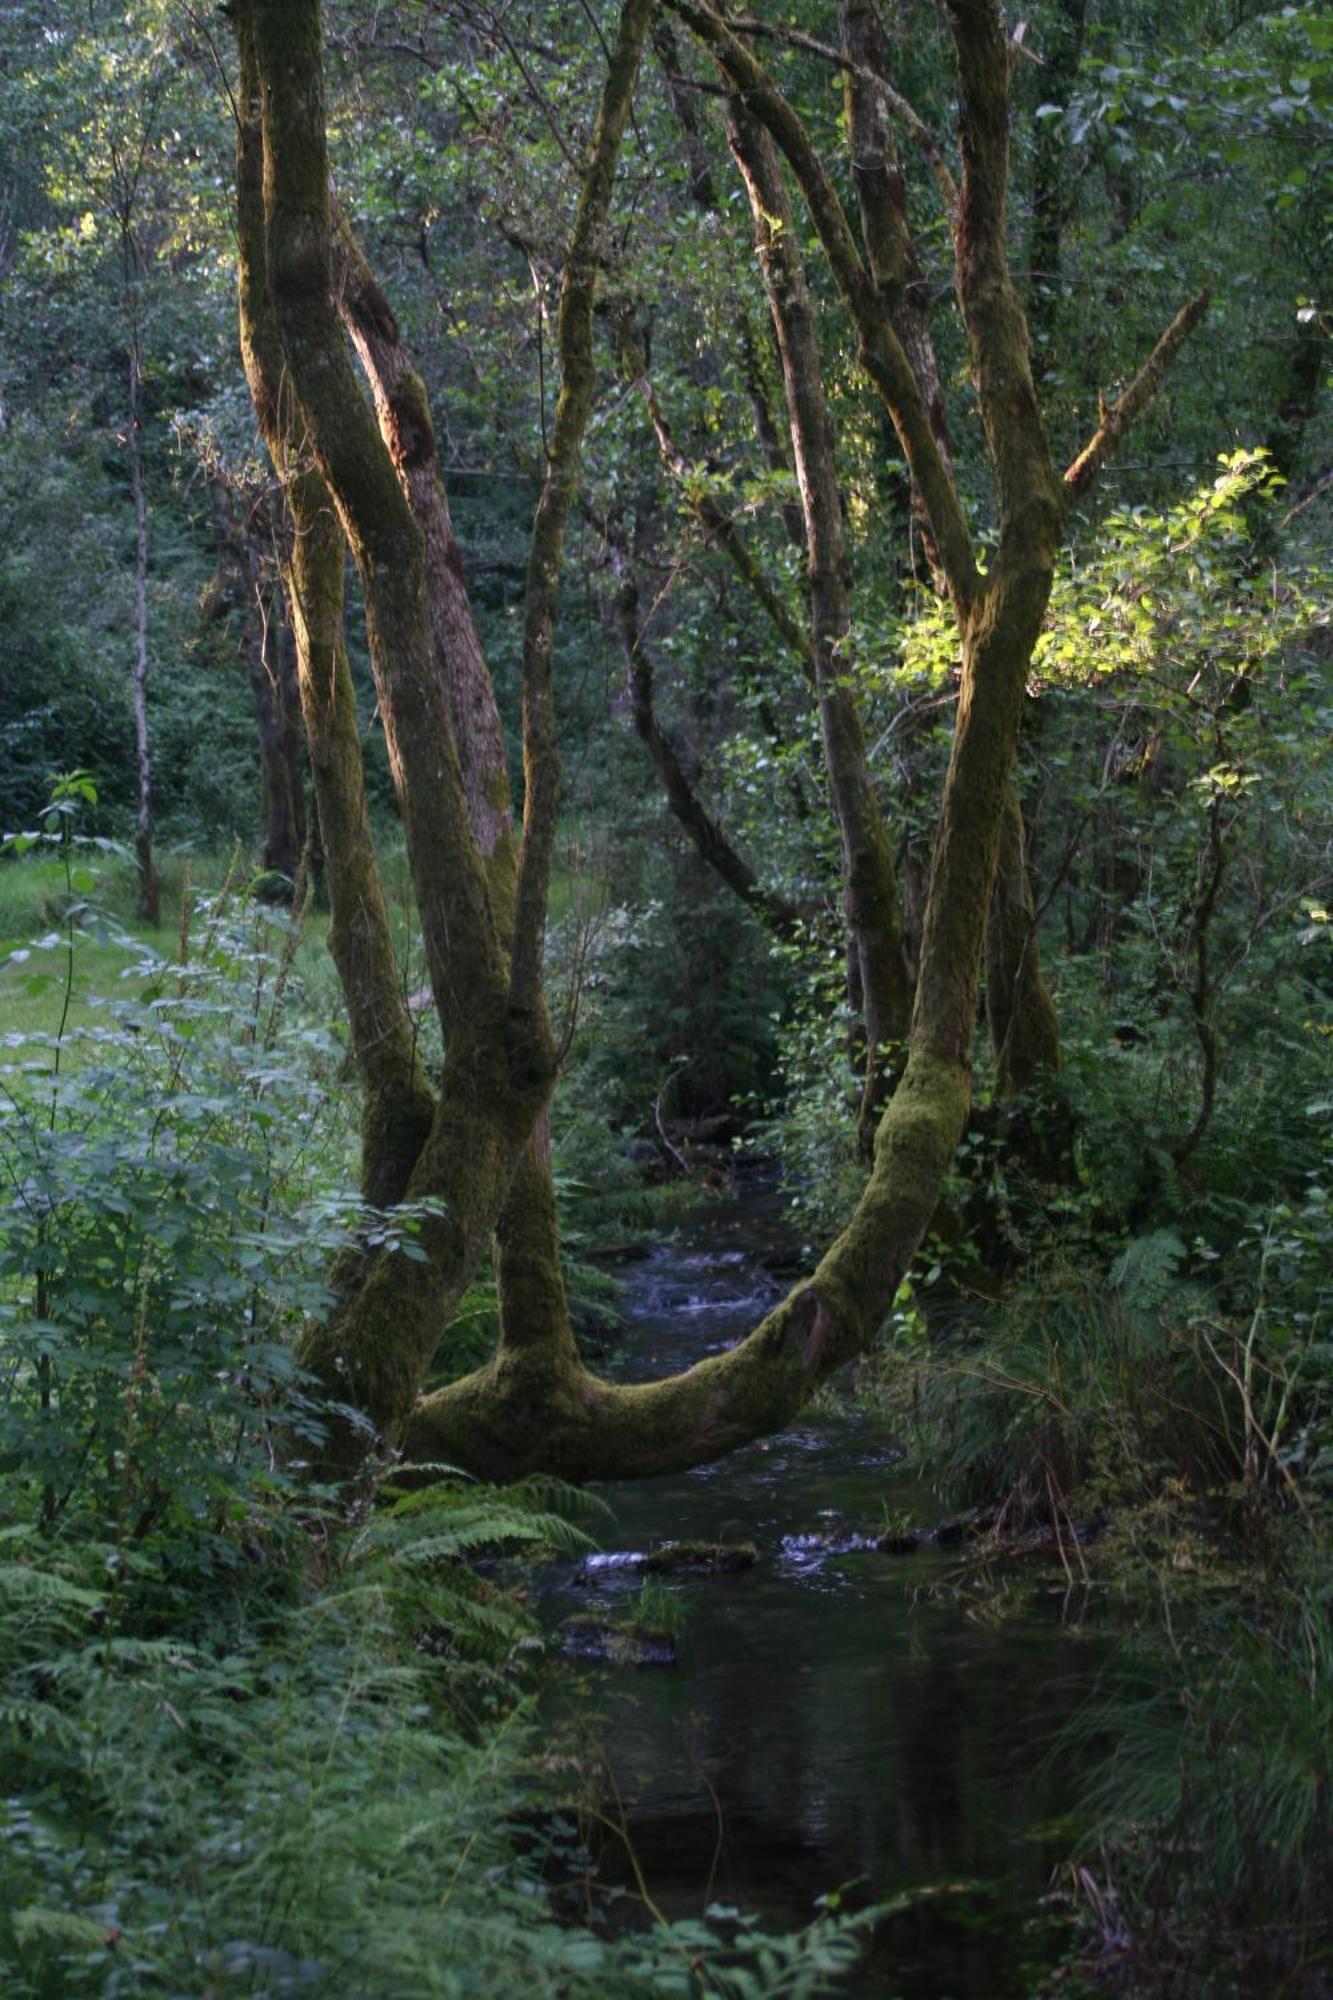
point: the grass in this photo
(1206, 1862)
(112, 943)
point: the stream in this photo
(837, 1717)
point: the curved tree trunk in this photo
(375, 1346)
(537, 1410)
(710, 840)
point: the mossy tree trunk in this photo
(375, 486)
(523, 1411)
(530, 1282)
(1025, 1033)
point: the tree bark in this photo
(149, 903)
(1024, 1026)
(524, 1411)
(874, 916)
(484, 962)
(1025, 1034)
(408, 432)
(376, 1344)
(530, 1283)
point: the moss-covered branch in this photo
(397, 1103)
(463, 952)
(987, 297)
(541, 757)
(403, 411)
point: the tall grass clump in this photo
(1208, 1860)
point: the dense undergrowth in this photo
(261, 1737)
(1148, 1395)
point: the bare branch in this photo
(1125, 413)
(714, 518)
(710, 841)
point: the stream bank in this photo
(837, 1718)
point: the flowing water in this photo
(837, 1716)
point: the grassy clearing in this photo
(40, 901)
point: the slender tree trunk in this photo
(456, 1150)
(874, 915)
(246, 583)
(708, 837)
(150, 893)
(276, 693)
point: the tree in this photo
(469, 1147)
(246, 585)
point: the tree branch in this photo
(717, 523)
(463, 949)
(881, 352)
(915, 127)
(992, 312)
(1125, 413)
(396, 1098)
(541, 757)
(710, 841)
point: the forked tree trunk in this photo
(1025, 1030)
(534, 1405)
(379, 1338)
(523, 1411)
(530, 1281)
(483, 921)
